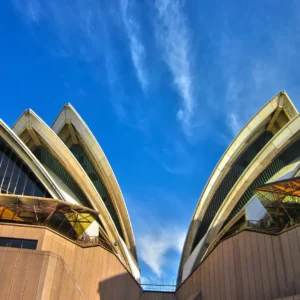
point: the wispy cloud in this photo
(174, 157)
(31, 10)
(154, 247)
(83, 31)
(159, 233)
(253, 74)
(137, 48)
(77, 25)
(174, 38)
(248, 89)
(234, 123)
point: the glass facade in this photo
(16, 177)
(87, 165)
(228, 182)
(48, 160)
(255, 211)
(286, 156)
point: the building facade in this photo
(237, 219)
(57, 181)
(264, 146)
(65, 232)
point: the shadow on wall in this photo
(124, 287)
(120, 287)
(158, 296)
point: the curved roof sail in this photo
(74, 132)
(23, 167)
(72, 179)
(273, 157)
(238, 156)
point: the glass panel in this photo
(4, 242)
(49, 161)
(8, 173)
(4, 163)
(21, 181)
(238, 167)
(16, 177)
(89, 168)
(29, 244)
(30, 186)
(18, 243)
(286, 156)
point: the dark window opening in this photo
(93, 176)
(18, 243)
(81, 159)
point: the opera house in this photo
(65, 232)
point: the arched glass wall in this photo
(286, 156)
(16, 177)
(255, 211)
(228, 182)
(48, 160)
(87, 165)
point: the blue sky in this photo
(164, 85)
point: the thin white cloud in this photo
(253, 75)
(30, 9)
(174, 38)
(86, 31)
(83, 31)
(145, 280)
(158, 235)
(137, 48)
(174, 157)
(78, 25)
(234, 123)
(153, 247)
(249, 89)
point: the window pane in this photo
(18, 243)
(8, 173)
(21, 182)
(16, 177)
(4, 242)
(29, 244)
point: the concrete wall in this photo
(28, 274)
(68, 271)
(248, 265)
(295, 297)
